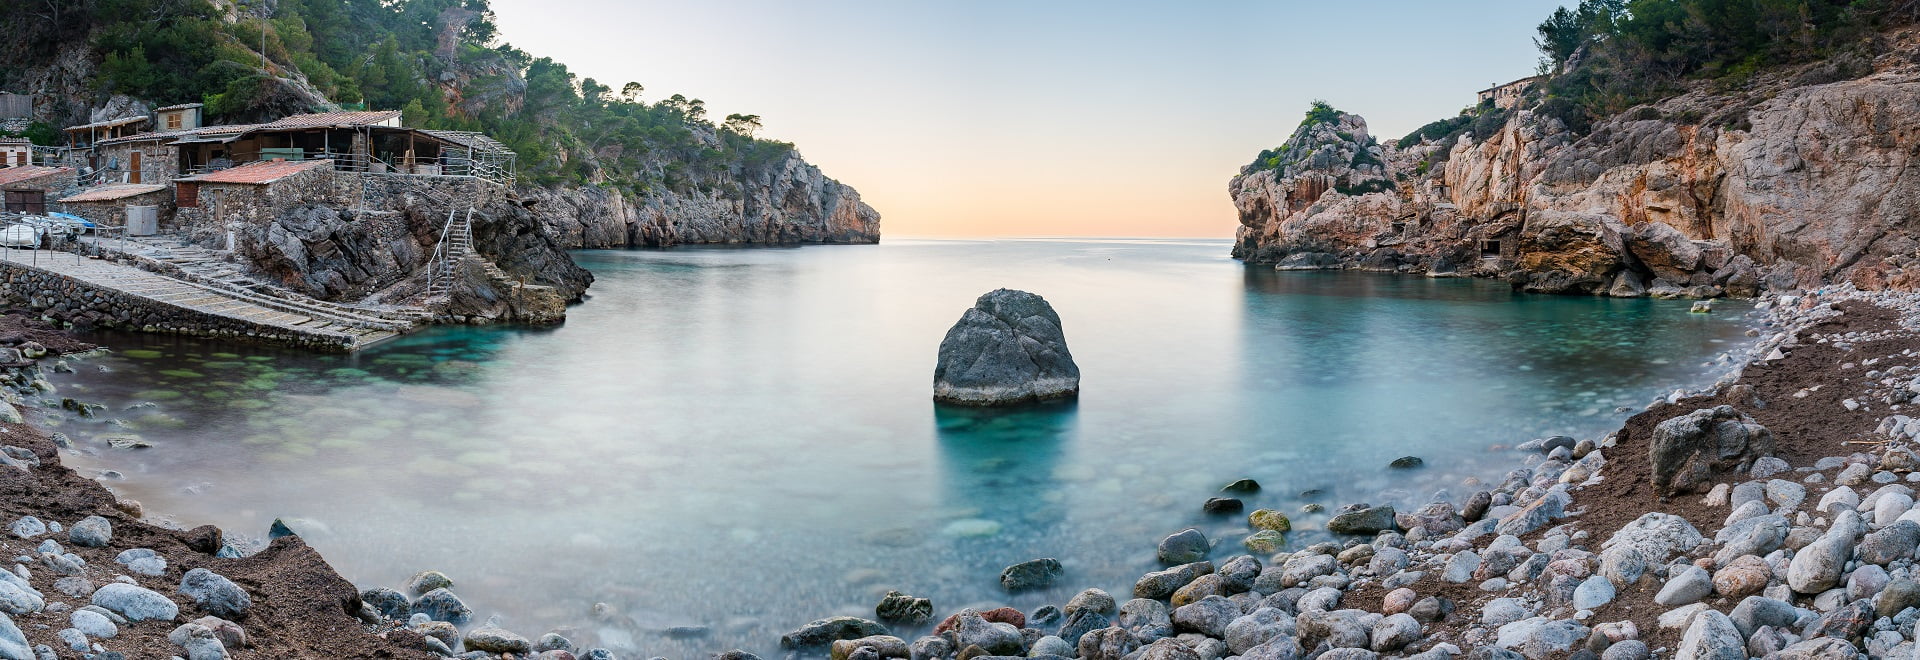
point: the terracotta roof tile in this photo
(24, 172)
(328, 119)
(108, 123)
(110, 193)
(259, 172)
(223, 129)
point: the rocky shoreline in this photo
(1801, 544)
(1792, 536)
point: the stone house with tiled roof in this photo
(26, 188)
(252, 193)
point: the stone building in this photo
(85, 135)
(251, 194)
(15, 152)
(185, 116)
(1506, 96)
(107, 205)
(358, 141)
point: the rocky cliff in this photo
(1797, 179)
(790, 202)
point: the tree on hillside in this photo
(1320, 112)
(1610, 55)
(743, 124)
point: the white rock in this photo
(1685, 587)
(1711, 637)
(1681, 617)
(1593, 592)
(1842, 496)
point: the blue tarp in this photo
(68, 216)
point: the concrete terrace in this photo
(193, 308)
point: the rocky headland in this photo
(1794, 179)
(789, 203)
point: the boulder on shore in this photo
(1007, 349)
(1687, 451)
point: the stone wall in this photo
(84, 304)
(223, 205)
(158, 163)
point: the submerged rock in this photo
(441, 605)
(823, 632)
(1241, 487)
(424, 581)
(896, 606)
(1007, 349)
(1033, 574)
(1368, 520)
(1184, 547)
(493, 639)
(1223, 505)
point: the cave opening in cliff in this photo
(1490, 247)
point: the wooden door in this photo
(133, 176)
(27, 201)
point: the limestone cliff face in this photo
(1785, 184)
(789, 203)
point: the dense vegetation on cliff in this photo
(438, 60)
(1608, 56)
(1604, 57)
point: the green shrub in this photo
(1570, 114)
(1365, 157)
(1487, 124)
(1444, 128)
(1320, 112)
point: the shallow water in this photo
(743, 439)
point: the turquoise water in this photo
(744, 439)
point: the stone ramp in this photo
(45, 279)
(173, 257)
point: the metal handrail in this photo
(440, 248)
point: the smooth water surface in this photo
(744, 439)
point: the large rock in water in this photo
(1688, 450)
(1007, 349)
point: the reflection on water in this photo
(987, 454)
(744, 440)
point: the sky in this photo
(1041, 118)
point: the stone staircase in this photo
(456, 244)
